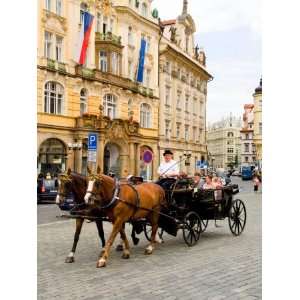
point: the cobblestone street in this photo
(220, 266)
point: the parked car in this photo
(46, 190)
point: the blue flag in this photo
(140, 73)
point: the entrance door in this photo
(112, 159)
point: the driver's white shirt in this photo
(171, 166)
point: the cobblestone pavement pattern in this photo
(220, 266)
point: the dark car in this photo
(46, 190)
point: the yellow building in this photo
(257, 136)
(183, 81)
(102, 95)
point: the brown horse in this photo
(122, 203)
(77, 184)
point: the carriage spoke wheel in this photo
(192, 228)
(204, 224)
(148, 232)
(237, 217)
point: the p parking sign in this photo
(92, 141)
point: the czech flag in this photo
(85, 36)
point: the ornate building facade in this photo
(183, 81)
(257, 135)
(248, 151)
(101, 96)
(224, 143)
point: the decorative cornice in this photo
(49, 14)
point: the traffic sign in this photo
(201, 164)
(92, 141)
(92, 156)
(147, 157)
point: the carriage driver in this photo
(169, 167)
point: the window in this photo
(247, 136)
(246, 147)
(53, 101)
(200, 134)
(186, 132)
(260, 128)
(111, 25)
(230, 150)
(83, 101)
(178, 131)
(83, 9)
(246, 158)
(98, 23)
(186, 106)
(104, 25)
(230, 134)
(130, 37)
(58, 48)
(167, 99)
(110, 106)
(145, 115)
(144, 10)
(195, 106)
(168, 67)
(58, 7)
(48, 44)
(194, 134)
(178, 103)
(167, 129)
(115, 63)
(48, 4)
(103, 61)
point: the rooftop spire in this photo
(185, 7)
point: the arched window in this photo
(83, 101)
(145, 115)
(144, 10)
(83, 9)
(230, 134)
(110, 106)
(53, 98)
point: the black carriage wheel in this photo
(192, 228)
(237, 217)
(204, 224)
(148, 231)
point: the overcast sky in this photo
(229, 31)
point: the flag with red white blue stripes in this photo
(85, 33)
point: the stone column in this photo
(70, 160)
(78, 158)
(132, 159)
(124, 161)
(100, 155)
(137, 158)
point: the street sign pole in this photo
(92, 150)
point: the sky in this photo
(230, 33)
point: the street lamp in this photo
(188, 155)
(74, 146)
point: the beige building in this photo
(224, 143)
(248, 152)
(257, 136)
(101, 96)
(183, 81)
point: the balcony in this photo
(85, 72)
(108, 37)
(54, 65)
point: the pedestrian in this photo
(255, 183)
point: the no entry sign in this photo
(147, 157)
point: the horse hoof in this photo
(126, 256)
(147, 252)
(69, 260)
(101, 264)
(119, 248)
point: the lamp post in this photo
(74, 146)
(187, 162)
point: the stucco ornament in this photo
(106, 7)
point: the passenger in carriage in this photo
(217, 182)
(198, 181)
(208, 183)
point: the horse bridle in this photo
(95, 178)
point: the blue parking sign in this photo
(92, 142)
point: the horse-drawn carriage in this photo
(190, 209)
(177, 207)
